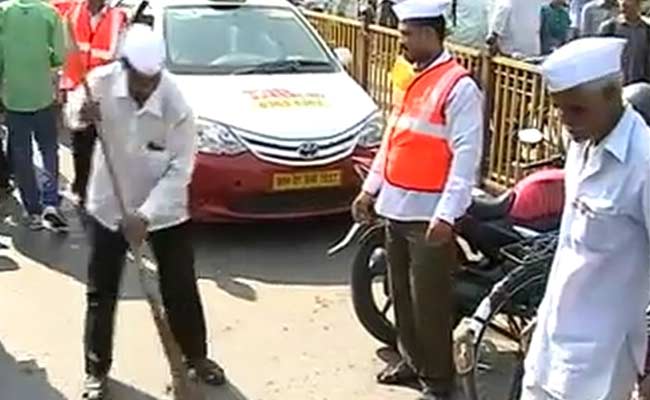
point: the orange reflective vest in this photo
(62, 6)
(418, 155)
(96, 47)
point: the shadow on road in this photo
(22, 380)
(276, 253)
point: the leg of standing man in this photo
(420, 276)
(21, 125)
(83, 142)
(174, 254)
(107, 257)
(46, 135)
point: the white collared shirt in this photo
(152, 149)
(464, 111)
(517, 23)
(599, 283)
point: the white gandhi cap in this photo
(582, 61)
(144, 49)
(417, 9)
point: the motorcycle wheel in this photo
(369, 269)
(504, 336)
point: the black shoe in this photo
(54, 220)
(206, 371)
(399, 373)
(95, 388)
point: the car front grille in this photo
(300, 152)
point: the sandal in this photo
(397, 374)
(206, 371)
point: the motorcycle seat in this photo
(485, 208)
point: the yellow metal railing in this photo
(515, 95)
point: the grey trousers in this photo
(421, 289)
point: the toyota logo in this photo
(308, 150)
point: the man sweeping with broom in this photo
(148, 135)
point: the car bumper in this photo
(240, 188)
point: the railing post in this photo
(366, 45)
(487, 82)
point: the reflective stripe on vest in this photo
(419, 156)
(96, 47)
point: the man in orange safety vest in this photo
(96, 28)
(421, 182)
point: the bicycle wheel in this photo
(505, 320)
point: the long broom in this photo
(182, 388)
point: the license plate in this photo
(306, 180)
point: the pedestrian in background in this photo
(32, 46)
(630, 26)
(585, 345)
(514, 28)
(421, 182)
(468, 22)
(595, 13)
(555, 26)
(96, 28)
(575, 12)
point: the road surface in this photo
(278, 310)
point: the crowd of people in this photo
(533, 29)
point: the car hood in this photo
(287, 106)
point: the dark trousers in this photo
(83, 143)
(421, 288)
(172, 248)
(42, 125)
(5, 167)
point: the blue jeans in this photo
(42, 124)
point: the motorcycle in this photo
(532, 207)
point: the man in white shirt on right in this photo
(590, 340)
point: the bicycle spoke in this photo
(387, 305)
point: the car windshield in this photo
(241, 40)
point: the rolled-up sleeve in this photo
(375, 177)
(170, 193)
(465, 114)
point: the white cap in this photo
(144, 49)
(415, 9)
(582, 61)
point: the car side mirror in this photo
(344, 55)
(530, 136)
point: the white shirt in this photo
(471, 23)
(152, 150)
(599, 285)
(517, 24)
(464, 112)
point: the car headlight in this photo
(216, 138)
(372, 131)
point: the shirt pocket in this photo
(157, 162)
(594, 224)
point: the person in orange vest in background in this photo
(421, 182)
(401, 76)
(96, 28)
(62, 6)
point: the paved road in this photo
(278, 311)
